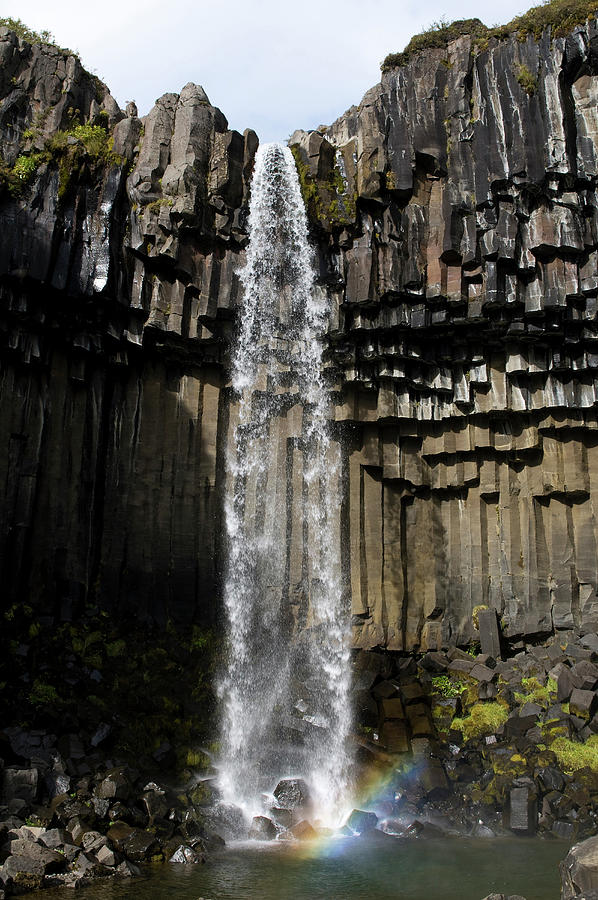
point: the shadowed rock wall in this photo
(456, 220)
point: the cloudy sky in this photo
(270, 65)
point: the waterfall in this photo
(285, 691)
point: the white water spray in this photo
(285, 692)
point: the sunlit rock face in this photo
(455, 219)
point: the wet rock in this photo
(360, 821)
(262, 829)
(136, 844)
(127, 869)
(304, 831)
(186, 855)
(392, 708)
(57, 783)
(394, 736)
(292, 793)
(434, 781)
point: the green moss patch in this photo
(535, 692)
(572, 755)
(484, 718)
(327, 201)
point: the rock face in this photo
(456, 220)
(466, 296)
(579, 870)
(117, 293)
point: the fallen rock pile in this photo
(62, 824)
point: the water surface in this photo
(354, 869)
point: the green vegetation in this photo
(327, 201)
(15, 179)
(446, 686)
(561, 16)
(485, 717)
(534, 692)
(475, 615)
(437, 36)
(526, 79)
(156, 205)
(33, 37)
(43, 694)
(309, 190)
(155, 686)
(573, 756)
(78, 149)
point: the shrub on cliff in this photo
(561, 16)
(32, 37)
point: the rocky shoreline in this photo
(461, 743)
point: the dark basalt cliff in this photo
(456, 216)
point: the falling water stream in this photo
(285, 689)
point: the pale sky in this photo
(270, 65)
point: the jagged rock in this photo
(459, 252)
(36, 853)
(134, 843)
(105, 856)
(115, 786)
(186, 855)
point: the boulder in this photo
(579, 870)
(21, 784)
(115, 786)
(21, 874)
(292, 793)
(262, 829)
(582, 703)
(360, 821)
(50, 860)
(304, 831)
(522, 812)
(186, 855)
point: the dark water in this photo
(353, 869)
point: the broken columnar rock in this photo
(456, 218)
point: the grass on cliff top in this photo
(560, 15)
(33, 37)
